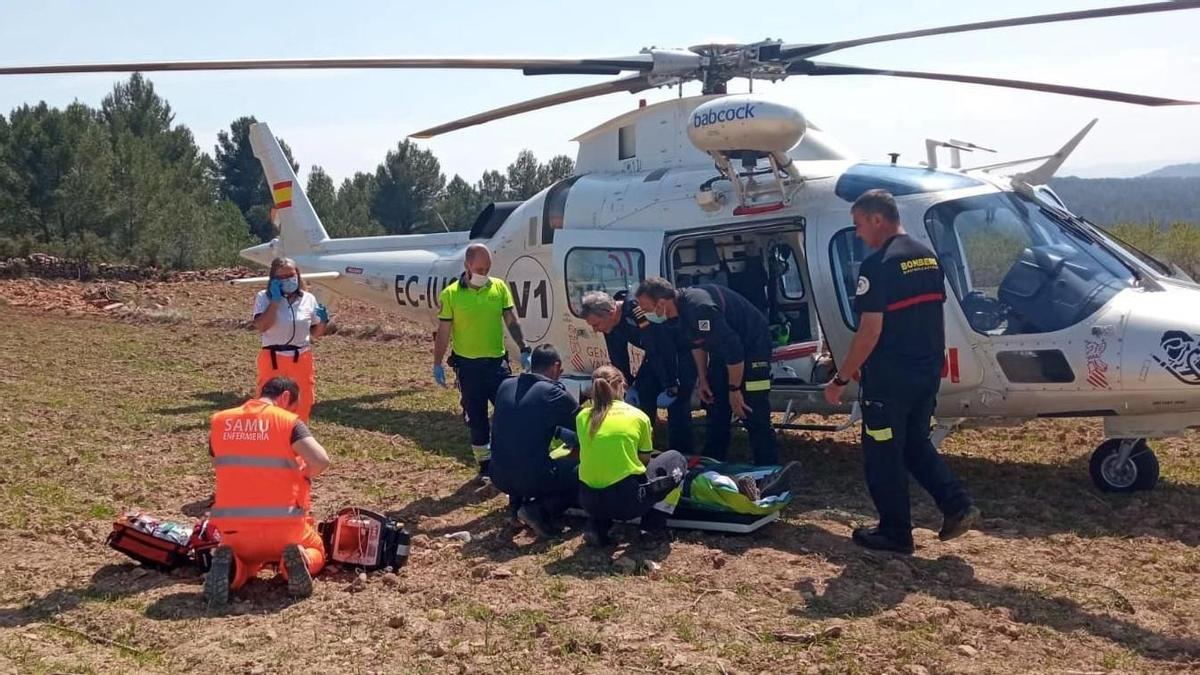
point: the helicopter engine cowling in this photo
(746, 125)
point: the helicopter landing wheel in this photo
(1124, 465)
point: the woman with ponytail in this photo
(287, 316)
(620, 478)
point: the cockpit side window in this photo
(1017, 269)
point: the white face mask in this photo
(478, 280)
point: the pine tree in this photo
(407, 184)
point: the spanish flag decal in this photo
(282, 194)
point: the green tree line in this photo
(125, 183)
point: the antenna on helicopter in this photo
(444, 225)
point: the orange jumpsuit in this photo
(262, 499)
(288, 364)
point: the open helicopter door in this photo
(595, 260)
(835, 254)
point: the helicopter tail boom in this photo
(300, 229)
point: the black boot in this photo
(535, 518)
(873, 538)
(957, 524)
(220, 574)
(594, 534)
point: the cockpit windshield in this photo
(1018, 268)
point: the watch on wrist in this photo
(837, 379)
(735, 387)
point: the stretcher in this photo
(686, 518)
(710, 499)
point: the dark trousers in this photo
(758, 423)
(895, 439)
(554, 490)
(478, 380)
(679, 413)
(634, 496)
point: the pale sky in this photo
(346, 121)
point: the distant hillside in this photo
(1147, 199)
(1176, 171)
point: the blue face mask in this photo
(290, 285)
(654, 318)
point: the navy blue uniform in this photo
(530, 410)
(732, 330)
(900, 380)
(667, 364)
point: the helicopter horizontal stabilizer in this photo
(300, 230)
(1050, 163)
(1043, 173)
(262, 281)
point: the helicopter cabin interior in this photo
(766, 266)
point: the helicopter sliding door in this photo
(596, 260)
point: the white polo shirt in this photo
(292, 321)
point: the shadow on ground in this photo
(438, 432)
(109, 583)
(871, 583)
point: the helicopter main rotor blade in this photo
(631, 84)
(808, 51)
(817, 68)
(640, 62)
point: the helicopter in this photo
(1047, 315)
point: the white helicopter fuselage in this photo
(646, 201)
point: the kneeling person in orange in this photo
(265, 459)
(287, 317)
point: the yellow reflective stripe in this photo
(258, 512)
(668, 503)
(257, 462)
(673, 497)
(880, 435)
(758, 385)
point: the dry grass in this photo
(100, 414)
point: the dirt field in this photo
(104, 410)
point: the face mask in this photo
(290, 285)
(478, 280)
(655, 318)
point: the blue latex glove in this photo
(275, 290)
(526, 360)
(631, 397)
(665, 400)
(322, 314)
(439, 374)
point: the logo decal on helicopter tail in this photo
(281, 192)
(1180, 356)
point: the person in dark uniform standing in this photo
(899, 347)
(474, 310)
(731, 347)
(667, 375)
